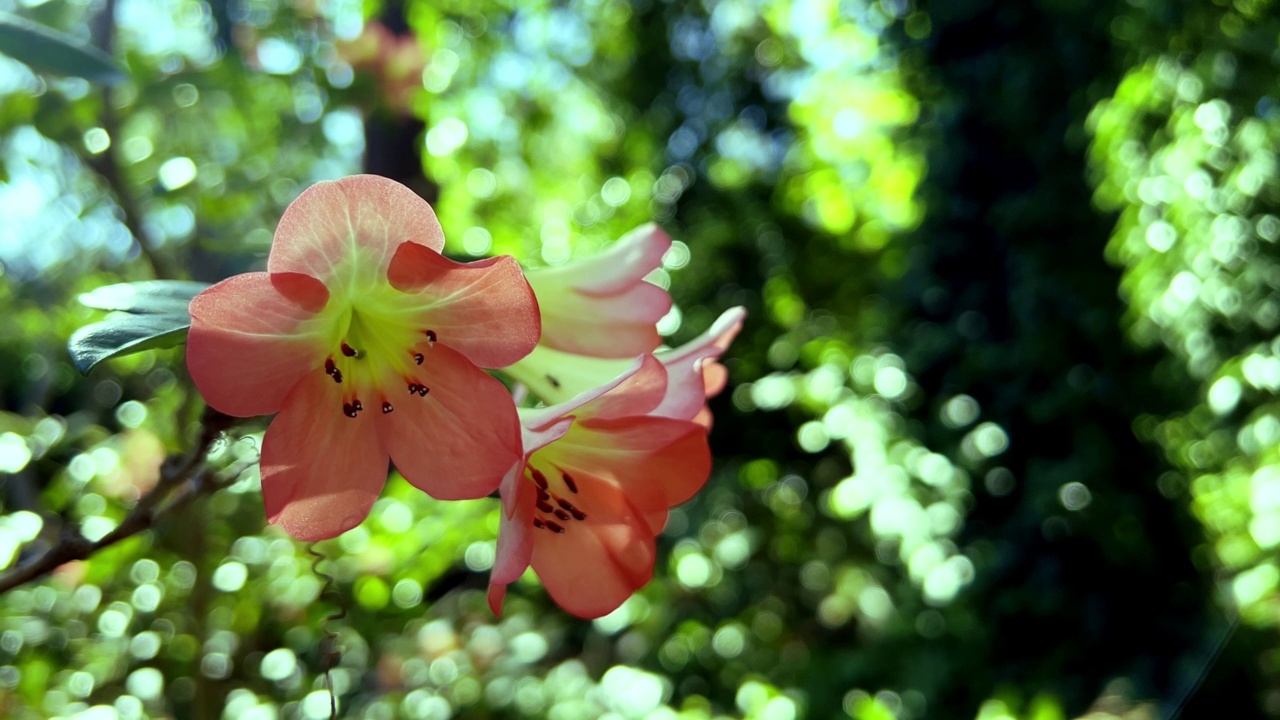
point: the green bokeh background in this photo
(1001, 435)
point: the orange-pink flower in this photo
(599, 475)
(369, 345)
(602, 306)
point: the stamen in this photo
(554, 382)
(562, 514)
(418, 358)
(545, 506)
(356, 404)
(431, 337)
(413, 388)
(555, 527)
(578, 514)
(543, 494)
(423, 390)
(537, 522)
(386, 407)
(569, 483)
(564, 504)
(539, 478)
(349, 351)
(332, 370)
(349, 410)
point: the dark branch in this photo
(182, 480)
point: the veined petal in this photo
(250, 342)
(460, 439)
(692, 373)
(601, 305)
(515, 537)
(636, 391)
(484, 309)
(613, 270)
(321, 471)
(656, 462)
(356, 223)
(595, 565)
(558, 377)
(608, 326)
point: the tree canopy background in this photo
(1001, 434)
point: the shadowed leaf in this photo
(126, 335)
(54, 52)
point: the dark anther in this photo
(545, 506)
(538, 523)
(543, 494)
(418, 358)
(578, 514)
(357, 405)
(386, 407)
(413, 388)
(539, 478)
(562, 514)
(554, 382)
(554, 526)
(348, 350)
(332, 370)
(349, 410)
(569, 483)
(565, 504)
(337, 376)
(431, 336)
(423, 390)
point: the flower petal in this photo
(601, 306)
(609, 326)
(459, 440)
(515, 541)
(533, 439)
(250, 342)
(636, 391)
(557, 377)
(657, 462)
(484, 309)
(612, 271)
(595, 565)
(321, 471)
(692, 373)
(362, 216)
(497, 593)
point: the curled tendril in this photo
(330, 654)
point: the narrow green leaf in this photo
(126, 335)
(145, 298)
(54, 52)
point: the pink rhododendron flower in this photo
(368, 343)
(692, 370)
(598, 477)
(602, 306)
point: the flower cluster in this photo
(370, 347)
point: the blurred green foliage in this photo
(1000, 439)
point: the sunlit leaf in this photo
(126, 335)
(51, 51)
(149, 297)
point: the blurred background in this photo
(1001, 435)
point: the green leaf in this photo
(54, 52)
(126, 335)
(149, 297)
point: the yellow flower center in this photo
(374, 341)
